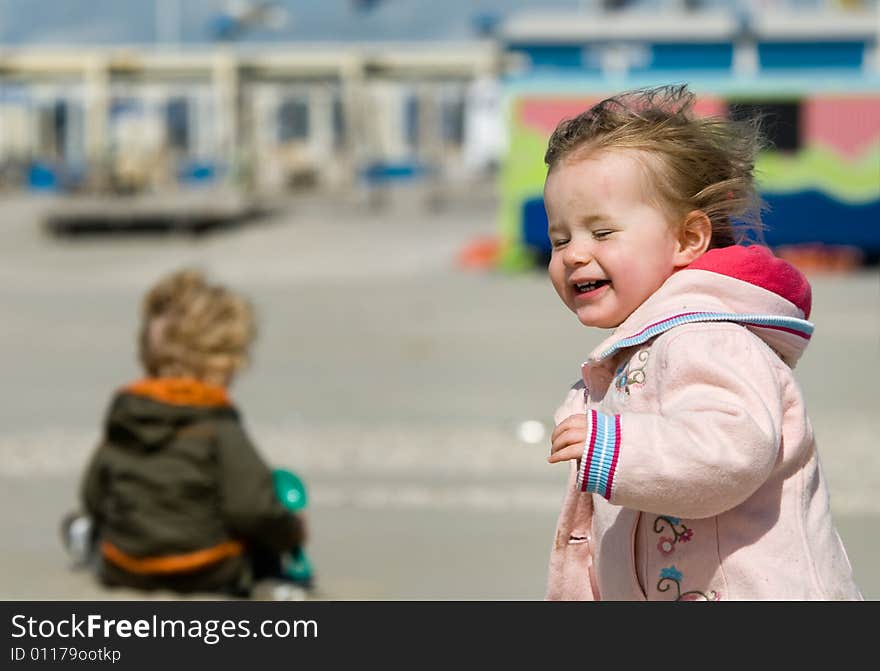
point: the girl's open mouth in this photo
(591, 288)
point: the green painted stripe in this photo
(821, 169)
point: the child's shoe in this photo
(78, 538)
(275, 589)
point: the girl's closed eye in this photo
(559, 242)
(602, 234)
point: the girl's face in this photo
(612, 247)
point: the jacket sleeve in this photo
(248, 502)
(713, 440)
(92, 485)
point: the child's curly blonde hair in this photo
(190, 328)
(694, 163)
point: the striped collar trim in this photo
(798, 327)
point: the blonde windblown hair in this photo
(190, 328)
(693, 163)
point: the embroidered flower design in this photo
(670, 577)
(620, 378)
(681, 533)
(699, 596)
(671, 573)
(629, 374)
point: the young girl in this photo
(694, 472)
(178, 495)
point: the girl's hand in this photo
(568, 439)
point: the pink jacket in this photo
(700, 477)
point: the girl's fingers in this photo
(570, 422)
(573, 436)
(566, 454)
(567, 440)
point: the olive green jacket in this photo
(176, 484)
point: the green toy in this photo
(291, 491)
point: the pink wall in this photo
(542, 114)
(848, 125)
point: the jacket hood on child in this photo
(149, 414)
(746, 285)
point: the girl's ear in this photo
(694, 238)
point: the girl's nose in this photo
(577, 254)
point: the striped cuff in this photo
(599, 463)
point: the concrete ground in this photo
(393, 381)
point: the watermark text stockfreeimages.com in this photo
(210, 631)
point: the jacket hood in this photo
(147, 414)
(745, 285)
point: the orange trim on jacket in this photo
(180, 391)
(182, 563)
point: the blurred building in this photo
(133, 119)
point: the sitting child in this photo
(177, 495)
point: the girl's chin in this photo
(597, 321)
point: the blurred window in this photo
(122, 105)
(556, 56)
(177, 121)
(681, 56)
(293, 120)
(615, 5)
(780, 120)
(453, 121)
(791, 55)
(411, 121)
(338, 112)
(59, 114)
